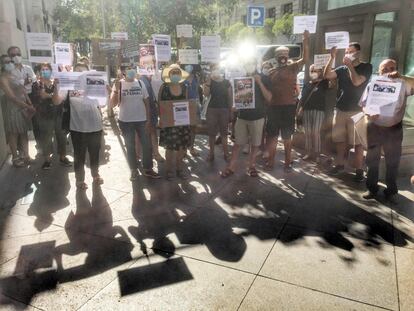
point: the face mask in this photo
(17, 59)
(131, 74)
(282, 61)
(9, 67)
(46, 74)
(175, 78)
(189, 68)
(314, 75)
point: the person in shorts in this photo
(282, 108)
(352, 79)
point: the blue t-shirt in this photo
(349, 95)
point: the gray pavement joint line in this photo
(109, 283)
(264, 261)
(8, 260)
(22, 302)
(323, 292)
(395, 260)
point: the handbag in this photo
(299, 112)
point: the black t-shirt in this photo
(316, 101)
(259, 111)
(349, 95)
(219, 94)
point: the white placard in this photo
(63, 54)
(188, 56)
(302, 23)
(383, 97)
(69, 81)
(181, 113)
(339, 39)
(39, 46)
(162, 45)
(184, 31)
(210, 49)
(119, 35)
(95, 83)
(243, 93)
(320, 60)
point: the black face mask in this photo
(282, 60)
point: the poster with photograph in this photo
(162, 45)
(181, 113)
(95, 85)
(146, 59)
(39, 46)
(63, 53)
(210, 49)
(383, 96)
(243, 93)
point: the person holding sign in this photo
(384, 130)
(250, 122)
(174, 139)
(132, 97)
(352, 79)
(282, 108)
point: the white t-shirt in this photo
(132, 106)
(85, 115)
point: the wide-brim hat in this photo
(165, 76)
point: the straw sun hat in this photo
(165, 76)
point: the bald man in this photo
(385, 132)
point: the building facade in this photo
(16, 18)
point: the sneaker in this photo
(46, 165)
(368, 195)
(336, 170)
(65, 162)
(134, 175)
(359, 175)
(151, 173)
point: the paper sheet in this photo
(210, 49)
(339, 39)
(162, 45)
(181, 113)
(243, 93)
(302, 23)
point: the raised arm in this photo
(356, 78)
(328, 73)
(305, 56)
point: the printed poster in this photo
(181, 112)
(68, 81)
(119, 35)
(339, 39)
(146, 59)
(39, 46)
(63, 53)
(162, 45)
(243, 93)
(188, 56)
(320, 61)
(184, 31)
(383, 96)
(210, 49)
(95, 83)
(302, 23)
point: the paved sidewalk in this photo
(299, 241)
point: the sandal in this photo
(98, 180)
(253, 172)
(81, 185)
(226, 173)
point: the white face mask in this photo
(314, 75)
(350, 56)
(17, 59)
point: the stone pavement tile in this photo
(16, 225)
(403, 217)
(266, 294)
(368, 221)
(63, 274)
(336, 264)
(8, 304)
(174, 284)
(405, 273)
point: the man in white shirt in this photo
(384, 131)
(23, 73)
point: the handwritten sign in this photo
(339, 39)
(302, 23)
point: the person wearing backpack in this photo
(132, 97)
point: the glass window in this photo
(305, 7)
(287, 8)
(383, 41)
(336, 4)
(271, 12)
(409, 64)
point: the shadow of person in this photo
(90, 230)
(49, 197)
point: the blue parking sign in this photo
(255, 16)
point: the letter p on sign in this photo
(255, 16)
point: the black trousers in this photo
(389, 139)
(82, 143)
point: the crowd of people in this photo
(33, 101)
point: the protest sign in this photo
(188, 56)
(176, 113)
(184, 31)
(383, 96)
(63, 54)
(146, 59)
(243, 93)
(39, 46)
(302, 23)
(339, 39)
(162, 45)
(320, 61)
(94, 83)
(210, 49)
(68, 81)
(119, 35)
